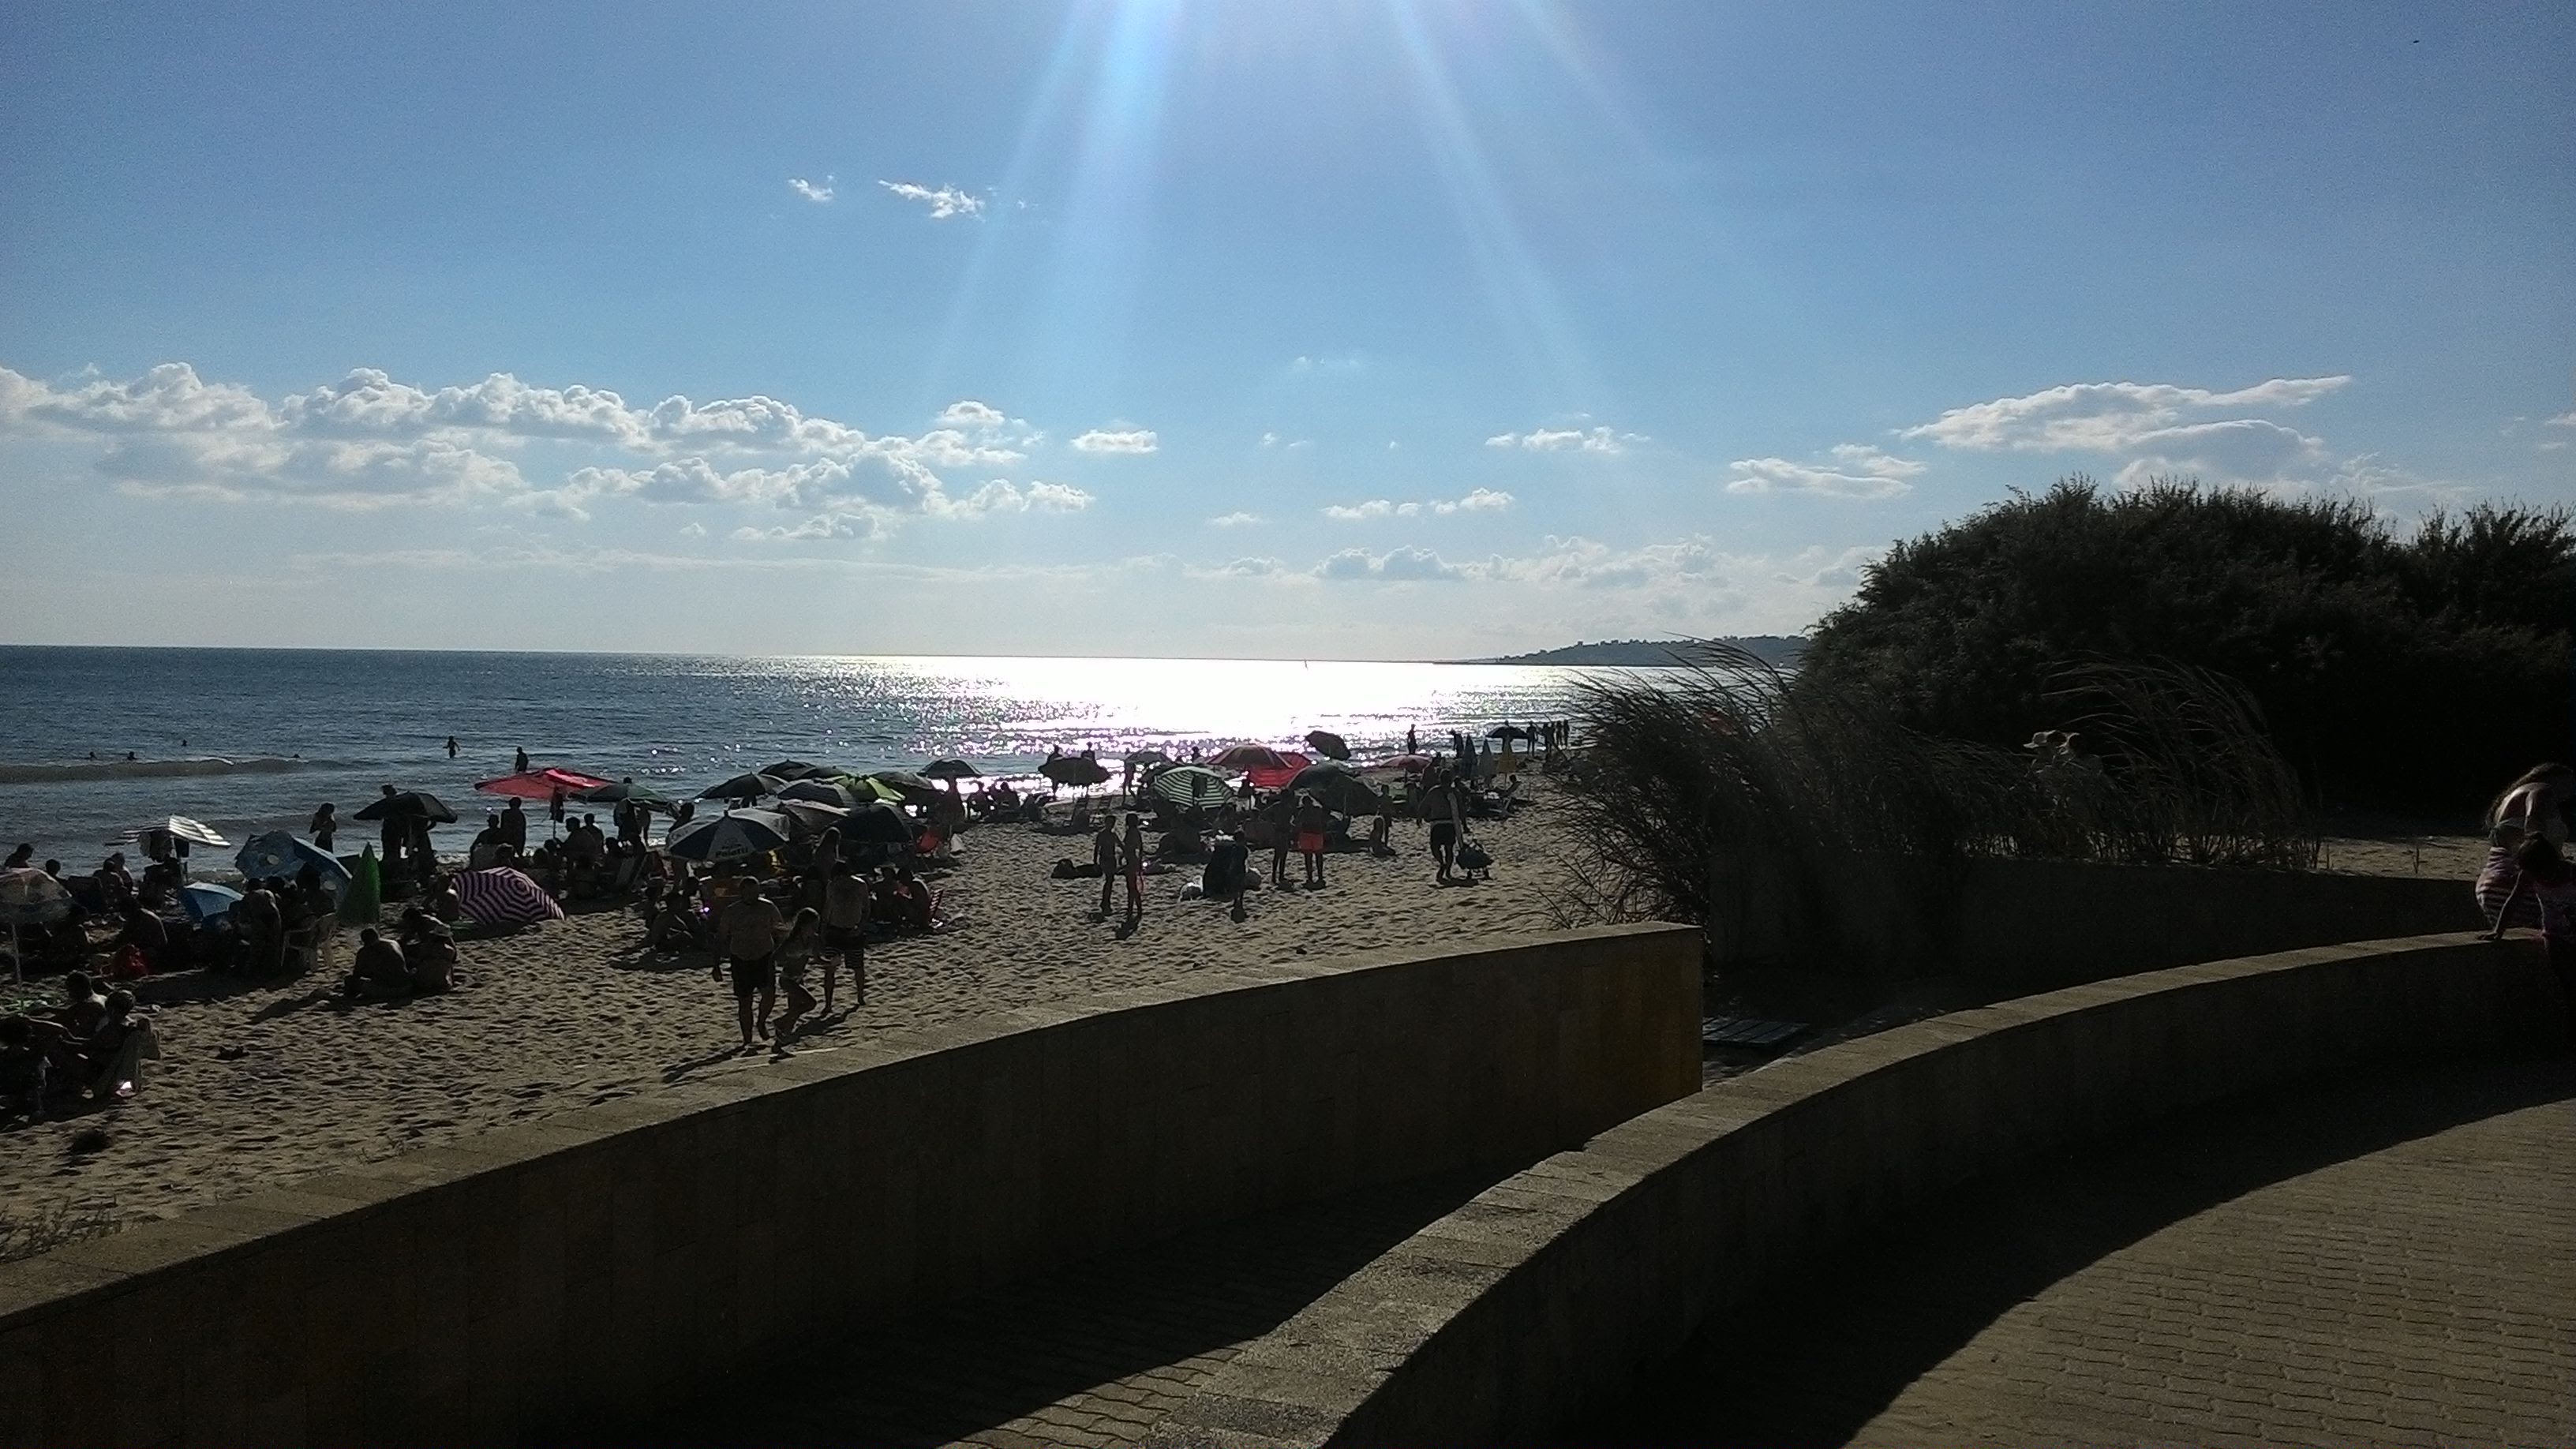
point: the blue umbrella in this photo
(280, 856)
(204, 902)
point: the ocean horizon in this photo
(249, 739)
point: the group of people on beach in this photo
(92, 1044)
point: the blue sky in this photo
(1345, 328)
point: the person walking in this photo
(1446, 826)
(749, 932)
(1132, 858)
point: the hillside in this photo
(1647, 653)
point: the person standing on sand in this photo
(1104, 858)
(514, 828)
(1446, 827)
(324, 825)
(1132, 859)
(845, 930)
(394, 831)
(1311, 818)
(748, 931)
(804, 937)
(1279, 816)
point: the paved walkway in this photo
(2381, 1262)
(1090, 1356)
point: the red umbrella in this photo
(1249, 757)
(541, 784)
(1271, 777)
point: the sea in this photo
(96, 742)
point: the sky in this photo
(1340, 328)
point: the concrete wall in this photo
(1570, 1278)
(535, 1277)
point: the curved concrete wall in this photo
(529, 1278)
(1568, 1279)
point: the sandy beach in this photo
(264, 1083)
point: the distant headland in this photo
(1647, 653)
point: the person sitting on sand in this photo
(845, 930)
(114, 1054)
(145, 933)
(748, 932)
(429, 951)
(1311, 821)
(83, 1007)
(379, 962)
(485, 852)
(1229, 872)
(804, 937)
(914, 906)
(115, 884)
(1380, 832)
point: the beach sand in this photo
(262, 1084)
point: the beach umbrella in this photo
(280, 856)
(1074, 770)
(366, 893)
(793, 770)
(1192, 787)
(824, 792)
(29, 897)
(743, 787)
(540, 784)
(1248, 757)
(950, 770)
(1146, 757)
(875, 822)
(728, 836)
(501, 896)
(204, 902)
(907, 786)
(177, 827)
(627, 792)
(1328, 744)
(1508, 732)
(812, 817)
(1401, 764)
(1271, 777)
(1338, 786)
(408, 802)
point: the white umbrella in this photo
(177, 827)
(728, 836)
(29, 897)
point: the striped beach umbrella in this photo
(729, 836)
(501, 896)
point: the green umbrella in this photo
(366, 893)
(1192, 787)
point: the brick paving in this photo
(2387, 1261)
(1090, 1356)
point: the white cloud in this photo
(944, 201)
(693, 530)
(1274, 440)
(2239, 451)
(1397, 565)
(1002, 496)
(820, 195)
(970, 415)
(1481, 500)
(1860, 471)
(1234, 520)
(1118, 440)
(2563, 420)
(1564, 440)
(2105, 416)
(369, 440)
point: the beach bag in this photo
(128, 965)
(1472, 856)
